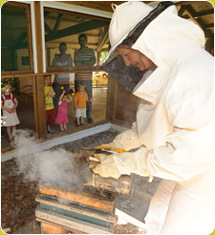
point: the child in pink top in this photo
(62, 117)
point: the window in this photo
(15, 41)
(62, 30)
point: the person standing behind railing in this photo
(9, 104)
(49, 106)
(61, 81)
(85, 56)
(80, 100)
(62, 112)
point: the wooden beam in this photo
(54, 44)
(71, 43)
(58, 21)
(209, 26)
(29, 39)
(47, 28)
(103, 39)
(198, 21)
(185, 3)
(74, 69)
(52, 70)
(182, 10)
(98, 54)
(81, 15)
(38, 34)
(204, 13)
(100, 5)
(39, 106)
(189, 11)
(79, 28)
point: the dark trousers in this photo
(58, 89)
(89, 90)
(89, 109)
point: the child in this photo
(10, 119)
(62, 118)
(80, 99)
(49, 106)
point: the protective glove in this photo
(107, 168)
(123, 142)
(126, 163)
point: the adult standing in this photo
(173, 135)
(85, 56)
(61, 81)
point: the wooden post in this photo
(39, 102)
(98, 57)
(39, 106)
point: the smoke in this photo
(53, 167)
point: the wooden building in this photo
(31, 32)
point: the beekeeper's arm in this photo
(187, 151)
(185, 154)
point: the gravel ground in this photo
(17, 197)
(18, 194)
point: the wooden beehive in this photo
(62, 211)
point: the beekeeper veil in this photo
(129, 24)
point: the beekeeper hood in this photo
(159, 33)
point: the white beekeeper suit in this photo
(174, 121)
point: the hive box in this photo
(63, 210)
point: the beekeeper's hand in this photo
(115, 165)
(107, 167)
(123, 142)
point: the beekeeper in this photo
(160, 58)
